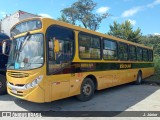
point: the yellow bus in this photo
(51, 60)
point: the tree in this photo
(64, 19)
(125, 31)
(82, 12)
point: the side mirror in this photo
(56, 46)
(4, 45)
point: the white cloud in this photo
(131, 12)
(156, 33)
(135, 10)
(133, 22)
(3, 14)
(102, 10)
(45, 15)
(156, 2)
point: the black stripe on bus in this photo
(92, 67)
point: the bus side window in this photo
(139, 54)
(145, 55)
(89, 46)
(132, 53)
(109, 50)
(123, 51)
(150, 55)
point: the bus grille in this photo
(18, 74)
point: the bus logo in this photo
(125, 66)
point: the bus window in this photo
(109, 50)
(150, 55)
(145, 55)
(123, 51)
(139, 54)
(89, 47)
(65, 38)
(132, 53)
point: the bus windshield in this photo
(26, 26)
(26, 54)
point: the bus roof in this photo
(77, 28)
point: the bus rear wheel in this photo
(87, 90)
(3, 89)
(139, 78)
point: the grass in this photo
(156, 77)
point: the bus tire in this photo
(3, 88)
(139, 78)
(87, 90)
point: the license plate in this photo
(14, 91)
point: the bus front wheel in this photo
(2, 85)
(139, 78)
(87, 90)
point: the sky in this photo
(144, 14)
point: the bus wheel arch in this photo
(94, 79)
(87, 88)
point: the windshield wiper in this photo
(25, 40)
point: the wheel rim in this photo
(87, 89)
(1, 84)
(139, 78)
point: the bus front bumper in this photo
(34, 94)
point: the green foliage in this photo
(70, 15)
(157, 64)
(156, 77)
(125, 31)
(63, 18)
(82, 12)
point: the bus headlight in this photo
(34, 83)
